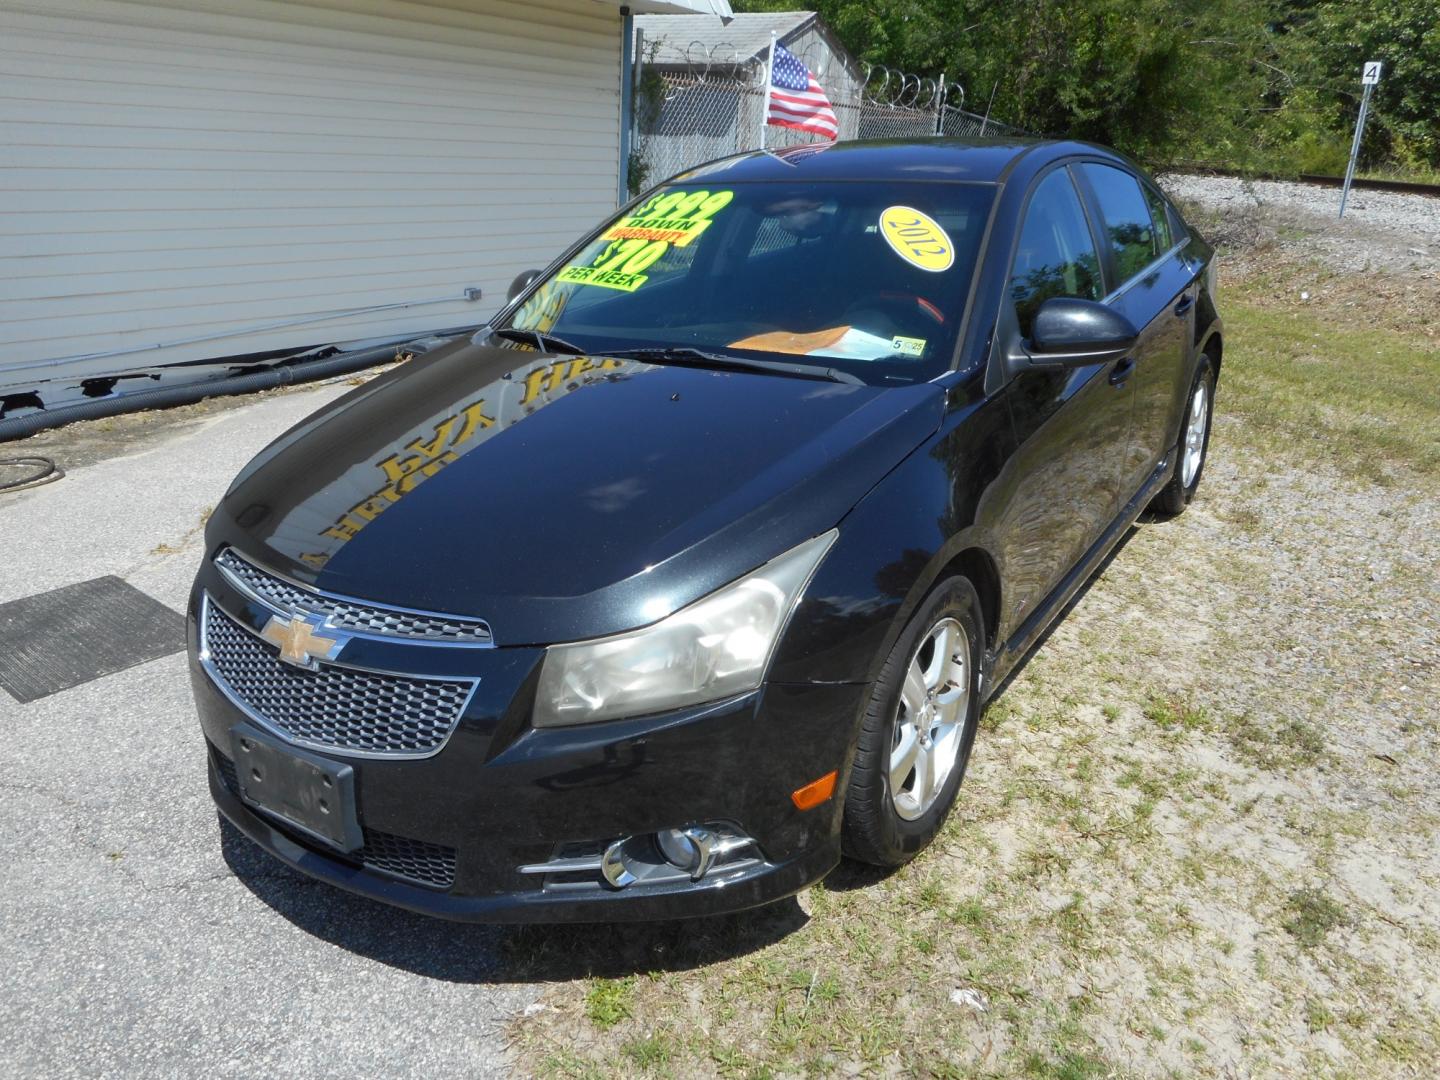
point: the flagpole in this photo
(765, 97)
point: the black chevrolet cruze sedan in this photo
(694, 569)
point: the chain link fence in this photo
(709, 103)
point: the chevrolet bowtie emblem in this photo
(298, 641)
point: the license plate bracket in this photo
(309, 793)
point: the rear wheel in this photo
(1192, 446)
(919, 727)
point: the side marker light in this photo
(814, 793)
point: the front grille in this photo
(335, 707)
(417, 861)
(354, 615)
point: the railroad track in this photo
(1406, 187)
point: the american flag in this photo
(796, 100)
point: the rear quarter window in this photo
(1160, 216)
(1126, 215)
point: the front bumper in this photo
(446, 835)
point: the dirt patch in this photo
(1405, 303)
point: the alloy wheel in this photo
(930, 718)
(1195, 436)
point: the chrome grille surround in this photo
(362, 617)
(336, 708)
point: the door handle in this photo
(1122, 371)
(1186, 303)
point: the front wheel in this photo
(918, 730)
(1193, 444)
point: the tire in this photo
(1190, 459)
(888, 824)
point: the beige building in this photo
(183, 180)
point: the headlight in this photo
(715, 648)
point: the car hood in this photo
(562, 497)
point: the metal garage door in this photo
(174, 170)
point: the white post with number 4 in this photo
(1369, 76)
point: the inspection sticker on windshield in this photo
(908, 346)
(917, 238)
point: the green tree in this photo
(1263, 83)
(1149, 76)
(1331, 39)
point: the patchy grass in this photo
(607, 1002)
(649, 1052)
(1276, 745)
(1241, 706)
(1310, 914)
(1171, 715)
(1315, 379)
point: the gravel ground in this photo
(1380, 230)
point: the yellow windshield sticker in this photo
(908, 346)
(917, 238)
(677, 231)
(593, 275)
(668, 220)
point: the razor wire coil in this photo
(703, 100)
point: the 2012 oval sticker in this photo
(917, 238)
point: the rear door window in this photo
(1126, 218)
(1056, 255)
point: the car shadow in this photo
(478, 953)
(851, 875)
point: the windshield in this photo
(864, 278)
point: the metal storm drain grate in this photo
(69, 636)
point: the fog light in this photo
(616, 867)
(687, 849)
(665, 857)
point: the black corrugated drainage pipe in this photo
(21, 426)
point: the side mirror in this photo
(520, 284)
(1070, 333)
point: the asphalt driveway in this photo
(142, 937)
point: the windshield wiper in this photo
(541, 340)
(676, 354)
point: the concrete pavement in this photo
(139, 936)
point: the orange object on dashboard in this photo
(787, 341)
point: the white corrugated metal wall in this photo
(174, 168)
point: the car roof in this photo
(978, 160)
